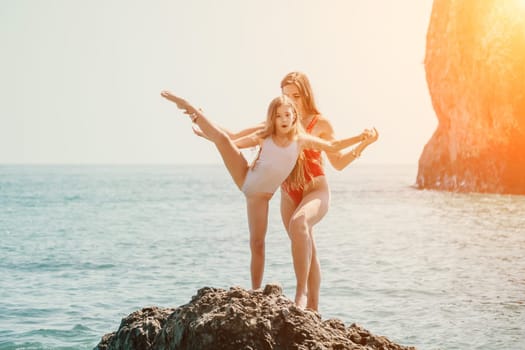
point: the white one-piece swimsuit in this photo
(271, 168)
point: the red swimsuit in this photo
(313, 166)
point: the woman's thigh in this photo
(288, 207)
(313, 207)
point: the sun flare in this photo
(515, 9)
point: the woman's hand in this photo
(198, 131)
(365, 134)
(372, 136)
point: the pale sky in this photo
(80, 80)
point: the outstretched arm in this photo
(234, 136)
(244, 132)
(341, 160)
(333, 146)
(248, 141)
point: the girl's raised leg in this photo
(232, 157)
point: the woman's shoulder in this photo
(323, 126)
(322, 120)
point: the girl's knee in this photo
(257, 246)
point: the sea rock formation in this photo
(475, 70)
(239, 319)
(138, 330)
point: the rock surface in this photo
(239, 319)
(138, 330)
(475, 70)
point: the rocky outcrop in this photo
(475, 70)
(239, 319)
(139, 330)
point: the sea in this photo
(82, 246)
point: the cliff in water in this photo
(239, 319)
(475, 70)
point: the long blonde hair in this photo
(297, 178)
(300, 80)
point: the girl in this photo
(281, 143)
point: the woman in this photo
(303, 208)
(281, 143)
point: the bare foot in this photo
(300, 300)
(312, 306)
(168, 95)
(179, 101)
